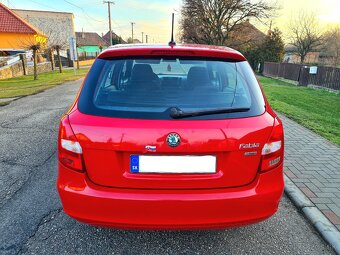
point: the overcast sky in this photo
(153, 17)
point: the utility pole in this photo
(146, 38)
(109, 9)
(142, 37)
(132, 24)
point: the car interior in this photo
(185, 83)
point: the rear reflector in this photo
(274, 161)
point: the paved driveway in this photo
(32, 221)
(313, 164)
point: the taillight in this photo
(272, 151)
(70, 152)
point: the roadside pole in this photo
(109, 10)
(73, 52)
(132, 24)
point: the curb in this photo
(6, 101)
(319, 221)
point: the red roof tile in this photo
(12, 23)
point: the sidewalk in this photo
(313, 164)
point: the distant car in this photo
(8, 53)
(170, 137)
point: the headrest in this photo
(142, 72)
(198, 76)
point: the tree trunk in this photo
(35, 64)
(23, 61)
(302, 59)
(337, 60)
(59, 60)
(77, 58)
(52, 58)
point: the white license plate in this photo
(172, 164)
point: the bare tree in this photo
(212, 21)
(332, 45)
(305, 34)
(35, 48)
(58, 48)
(50, 53)
(56, 38)
(35, 43)
(55, 43)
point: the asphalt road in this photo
(32, 220)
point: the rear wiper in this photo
(177, 113)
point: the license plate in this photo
(172, 164)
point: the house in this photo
(16, 33)
(116, 39)
(58, 26)
(136, 41)
(292, 57)
(245, 35)
(89, 44)
(320, 56)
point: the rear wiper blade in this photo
(177, 113)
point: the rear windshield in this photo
(149, 88)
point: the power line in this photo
(10, 4)
(82, 9)
(120, 26)
(78, 15)
(59, 10)
(44, 5)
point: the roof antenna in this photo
(172, 42)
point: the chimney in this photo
(270, 31)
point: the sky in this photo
(327, 11)
(151, 17)
(154, 17)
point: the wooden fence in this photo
(327, 77)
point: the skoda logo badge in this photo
(173, 139)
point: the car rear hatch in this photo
(129, 105)
(108, 144)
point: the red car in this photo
(170, 137)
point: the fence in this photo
(10, 60)
(87, 55)
(17, 70)
(326, 77)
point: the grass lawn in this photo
(315, 109)
(25, 85)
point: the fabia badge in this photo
(173, 139)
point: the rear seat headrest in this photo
(198, 76)
(142, 72)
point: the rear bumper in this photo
(169, 209)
